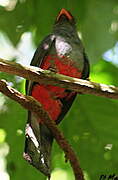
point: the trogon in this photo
(61, 52)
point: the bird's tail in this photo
(38, 145)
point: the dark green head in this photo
(64, 21)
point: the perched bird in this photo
(61, 52)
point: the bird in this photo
(62, 52)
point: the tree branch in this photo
(31, 104)
(47, 77)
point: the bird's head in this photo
(64, 16)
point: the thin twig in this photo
(31, 104)
(47, 77)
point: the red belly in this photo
(49, 96)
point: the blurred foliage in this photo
(95, 20)
(91, 125)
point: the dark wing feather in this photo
(86, 69)
(42, 50)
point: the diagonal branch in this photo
(31, 104)
(47, 77)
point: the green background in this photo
(92, 122)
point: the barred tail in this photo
(38, 145)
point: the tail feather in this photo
(38, 145)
